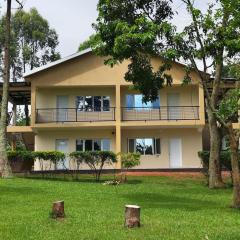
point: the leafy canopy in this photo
(33, 42)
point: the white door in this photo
(62, 146)
(62, 111)
(175, 152)
(174, 111)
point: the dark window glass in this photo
(80, 103)
(131, 145)
(97, 103)
(106, 144)
(158, 146)
(88, 145)
(79, 145)
(97, 145)
(156, 103)
(106, 103)
(88, 103)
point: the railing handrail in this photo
(74, 108)
(152, 107)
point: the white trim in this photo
(49, 65)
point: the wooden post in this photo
(132, 216)
(58, 209)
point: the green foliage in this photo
(23, 155)
(52, 156)
(130, 160)
(21, 160)
(92, 42)
(225, 160)
(134, 30)
(96, 160)
(229, 105)
(33, 42)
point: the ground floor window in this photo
(93, 144)
(145, 146)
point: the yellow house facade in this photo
(78, 103)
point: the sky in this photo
(72, 19)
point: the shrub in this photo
(96, 160)
(52, 156)
(79, 158)
(21, 160)
(129, 160)
(225, 161)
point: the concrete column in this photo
(118, 124)
(201, 104)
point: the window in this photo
(144, 146)
(93, 145)
(93, 103)
(136, 101)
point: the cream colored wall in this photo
(46, 140)
(188, 95)
(191, 144)
(47, 97)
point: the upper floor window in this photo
(93, 144)
(93, 103)
(144, 146)
(136, 101)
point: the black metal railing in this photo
(160, 113)
(50, 115)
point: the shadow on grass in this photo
(168, 201)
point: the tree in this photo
(4, 164)
(129, 160)
(33, 42)
(227, 111)
(93, 40)
(135, 30)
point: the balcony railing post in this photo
(76, 114)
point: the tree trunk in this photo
(132, 216)
(215, 177)
(235, 166)
(4, 164)
(58, 209)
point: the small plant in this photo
(96, 160)
(78, 157)
(129, 160)
(54, 157)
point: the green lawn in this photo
(171, 208)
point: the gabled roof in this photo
(52, 64)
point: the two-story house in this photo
(78, 103)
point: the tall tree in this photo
(4, 164)
(136, 29)
(33, 42)
(228, 110)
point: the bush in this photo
(96, 160)
(129, 160)
(79, 158)
(52, 156)
(225, 161)
(21, 160)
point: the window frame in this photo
(93, 140)
(154, 144)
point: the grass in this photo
(171, 208)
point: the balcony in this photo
(162, 113)
(56, 115)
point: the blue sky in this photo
(72, 19)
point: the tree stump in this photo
(58, 209)
(132, 216)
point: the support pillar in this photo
(118, 124)
(14, 116)
(26, 111)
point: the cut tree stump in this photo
(58, 209)
(132, 216)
